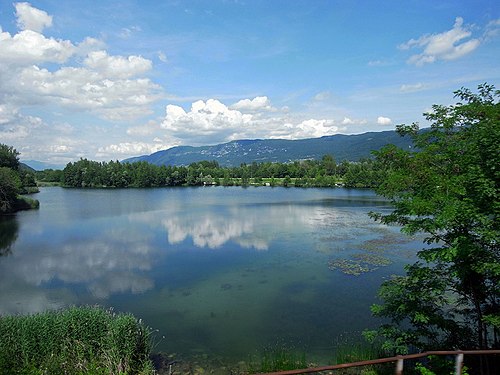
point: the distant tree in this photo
(449, 190)
(287, 181)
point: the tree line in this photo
(307, 173)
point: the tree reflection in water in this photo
(8, 234)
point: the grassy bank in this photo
(25, 203)
(79, 340)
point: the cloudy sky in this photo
(112, 79)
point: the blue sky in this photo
(113, 79)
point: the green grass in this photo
(25, 203)
(349, 350)
(79, 340)
(279, 358)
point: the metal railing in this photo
(459, 359)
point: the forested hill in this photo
(341, 147)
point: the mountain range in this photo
(342, 147)
(40, 166)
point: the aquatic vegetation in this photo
(361, 263)
(348, 266)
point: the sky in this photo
(107, 80)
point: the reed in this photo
(79, 340)
(279, 358)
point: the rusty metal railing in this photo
(459, 359)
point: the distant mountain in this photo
(25, 167)
(341, 147)
(40, 166)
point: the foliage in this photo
(449, 190)
(85, 340)
(9, 157)
(352, 349)
(14, 180)
(50, 175)
(308, 173)
(438, 365)
(10, 187)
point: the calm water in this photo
(220, 271)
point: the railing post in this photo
(399, 366)
(459, 360)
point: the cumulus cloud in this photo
(14, 126)
(109, 86)
(347, 121)
(259, 103)
(29, 18)
(213, 122)
(29, 47)
(117, 66)
(314, 128)
(384, 120)
(87, 89)
(449, 45)
(205, 118)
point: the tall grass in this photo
(79, 340)
(353, 349)
(278, 358)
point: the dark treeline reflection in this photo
(8, 234)
(307, 173)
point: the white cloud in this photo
(127, 32)
(213, 122)
(14, 126)
(347, 121)
(86, 89)
(89, 45)
(314, 128)
(162, 57)
(412, 88)
(111, 87)
(205, 118)
(492, 29)
(29, 47)
(151, 127)
(29, 18)
(321, 96)
(449, 45)
(117, 66)
(259, 103)
(131, 149)
(384, 120)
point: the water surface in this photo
(221, 271)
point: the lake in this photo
(223, 272)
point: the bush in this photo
(79, 340)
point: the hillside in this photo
(340, 146)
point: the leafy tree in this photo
(448, 190)
(10, 186)
(9, 157)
